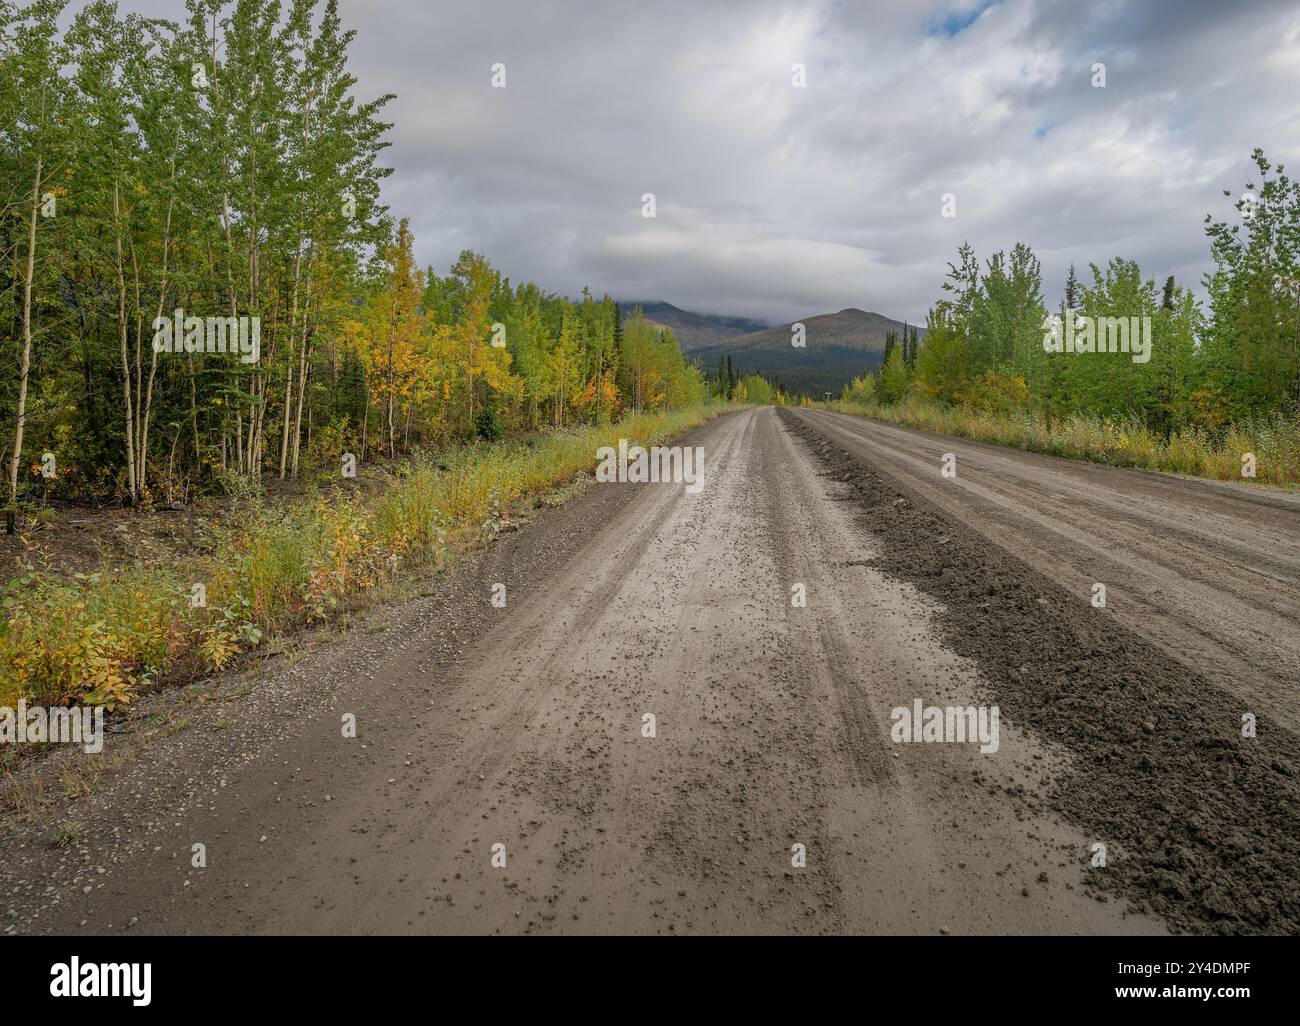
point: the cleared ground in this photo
(522, 726)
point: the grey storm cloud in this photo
(777, 202)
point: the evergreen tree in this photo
(1071, 298)
(891, 340)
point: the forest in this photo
(209, 313)
(226, 167)
(1219, 381)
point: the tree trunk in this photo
(142, 436)
(288, 373)
(25, 366)
(132, 484)
(302, 369)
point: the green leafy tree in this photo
(35, 108)
(892, 385)
(1006, 326)
(941, 366)
(1253, 347)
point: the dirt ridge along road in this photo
(522, 726)
(1207, 570)
(1208, 821)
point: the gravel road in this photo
(525, 726)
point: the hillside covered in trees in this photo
(816, 354)
(223, 173)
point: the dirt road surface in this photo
(1208, 571)
(520, 735)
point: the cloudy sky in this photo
(776, 202)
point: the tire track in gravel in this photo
(1209, 571)
(522, 726)
(1205, 822)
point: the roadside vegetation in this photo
(1124, 443)
(174, 186)
(267, 569)
(1213, 392)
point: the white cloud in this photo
(780, 202)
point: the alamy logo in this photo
(1079, 334)
(106, 979)
(181, 334)
(952, 723)
(675, 464)
(60, 725)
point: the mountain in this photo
(693, 330)
(837, 346)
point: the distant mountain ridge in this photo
(693, 330)
(837, 347)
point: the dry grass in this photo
(99, 637)
(1275, 442)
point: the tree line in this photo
(992, 343)
(736, 386)
(223, 170)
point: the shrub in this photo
(97, 638)
(488, 424)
